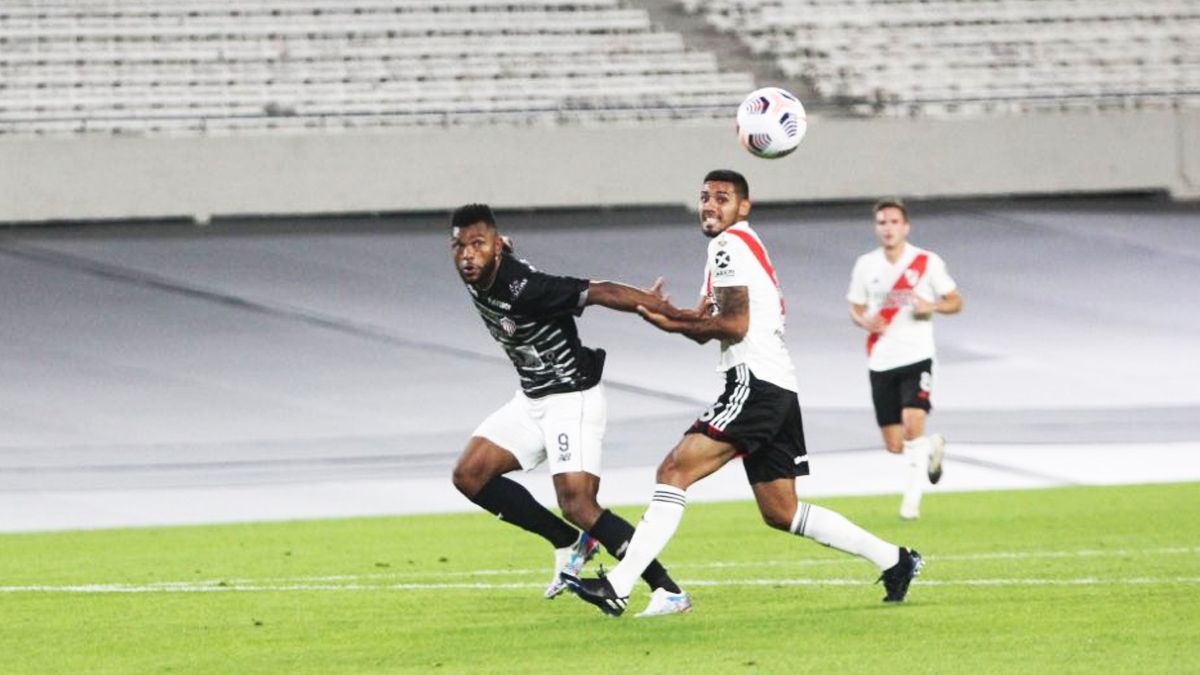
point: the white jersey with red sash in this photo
(888, 289)
(737, 257)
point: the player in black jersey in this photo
(559, 413)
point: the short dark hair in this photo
(891, 203)
(729, 176)
(469, 214)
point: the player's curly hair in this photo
(729, 176)
(469, 214)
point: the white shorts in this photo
(566, 429)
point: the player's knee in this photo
(777, 519)
(579, 509)
(469, 477)
(669, 470)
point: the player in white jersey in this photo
(894, 292)
(757, 417)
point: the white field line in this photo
(799, 562)
(320, 583)
(116, 588)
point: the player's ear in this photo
(744, 209)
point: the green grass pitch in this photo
(1076, 580)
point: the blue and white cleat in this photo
(663, 602)
(583, 550)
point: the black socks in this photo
(512, 503)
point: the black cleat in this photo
(897, 577)
(598, 592)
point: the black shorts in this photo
(904, 387)
(762, 421)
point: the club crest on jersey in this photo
(508, 326)
(516, 286)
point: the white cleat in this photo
(582, 551)
(663, 602)
(936, 455)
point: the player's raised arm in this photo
(626, 298)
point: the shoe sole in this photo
(644, 615)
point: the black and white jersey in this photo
(532, 316)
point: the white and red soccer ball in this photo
(771, 122)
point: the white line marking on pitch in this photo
(238, 588)
(306, 583)
(799, 562)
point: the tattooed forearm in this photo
(733, 301)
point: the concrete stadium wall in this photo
(434, 169)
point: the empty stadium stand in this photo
(975, 56)
(146, 66)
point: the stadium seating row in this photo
(898, 55)
(139, 66)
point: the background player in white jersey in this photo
(757, 417)
(559, 413)
(894, 292)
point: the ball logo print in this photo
(771, 122)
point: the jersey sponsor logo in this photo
(498, 303)
(897, 299)
(722, 259)
(904, 284)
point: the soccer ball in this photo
(771, 122)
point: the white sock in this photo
(916, 472)
(658, 525)
(561, 556)
(835, 530)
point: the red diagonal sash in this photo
(902, 284)
(761, 255)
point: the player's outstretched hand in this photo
(658, 319)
